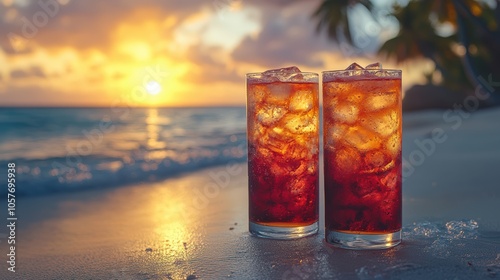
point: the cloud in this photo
(34, 71)
(287, 39)
(209, 68)
(85, 24)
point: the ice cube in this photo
(307, 141)
(268, 115)
(302, 100)
(279, 93)
(296, 166)
(299, 186)
(378, 165)
(330, 103)
(256, 130)
(281, 71)
(301, 123)
(380, 101)
(393, 145)
(334, 134)
(337, 131)
(263, 152)
(275, 142)
(354, 66)
(276, 132)
(355, 98)
(281, 74)
(390, 180)
(257, 93)
(384, 125)
(362, 139)
(355, 69)
(374, 66)
(381, 74)
(274, 145)
(376, 159)
(312, 167)
(278, 169)
(346, 113)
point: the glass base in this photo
(283, 232)
(357, 241)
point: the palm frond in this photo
(332, 16)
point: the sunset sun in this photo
(153, 87)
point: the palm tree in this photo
(332, 16)
(470, 51)
(417, 38)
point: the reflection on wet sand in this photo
(156, 224)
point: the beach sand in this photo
(196, 225)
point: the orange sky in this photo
(162, 53)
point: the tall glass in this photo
(283, 134)
(362, 156)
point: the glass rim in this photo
(361, 74)
(301, 72)
(369, 70)
(297, 77)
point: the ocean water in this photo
(63, 149)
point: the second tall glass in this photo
(362, 155)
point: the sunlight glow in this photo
(153, 87)
(139, 50)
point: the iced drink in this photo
(362, 156)
(283, 134)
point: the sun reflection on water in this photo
(153, 130)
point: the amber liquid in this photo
(362, 156)
(283, 134)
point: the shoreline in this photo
(114, 224)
